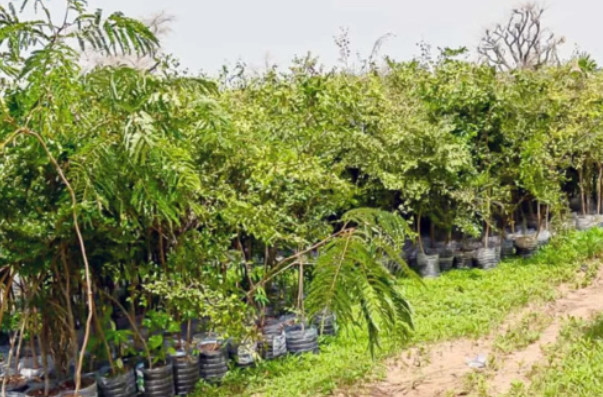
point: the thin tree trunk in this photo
(486, 232)
(103, 337)
(300, 292)
(538, 216)
(419, 233)
(82, 246)
(599, 182)
(7, 280)
(582, 196)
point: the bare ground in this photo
(441, 370)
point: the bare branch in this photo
(522, 42)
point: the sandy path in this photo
(440, 369)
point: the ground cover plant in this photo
(573, 364)
(148, 215)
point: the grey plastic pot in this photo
(487, 258)
(186, 372)
(301, 339)
(29, 370)
(544, 237)
(584, 222)
(428, 266)
(123, 385)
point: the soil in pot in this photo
(88, 388)
(15, 383)
(38, 391)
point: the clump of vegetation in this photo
(146, 210)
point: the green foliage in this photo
(200, 198)
(351, 272)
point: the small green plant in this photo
(524, 333)
(158, 324)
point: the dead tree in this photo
(521, 43)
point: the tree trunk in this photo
(582, 196)
(538, 216)
(419, 233)
(599, 182)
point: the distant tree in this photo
(522, 42)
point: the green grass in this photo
(524, 333)
(575, 364)
(459, 304)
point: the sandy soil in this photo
(441, 369)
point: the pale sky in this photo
(206, 34)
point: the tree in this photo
(522, 42)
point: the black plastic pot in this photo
(507, 249)
(464, 259)
(245, 355)
(186, 372)
(213, 365)
(446, 263)
(273, 344)
(487, 258)
(123, 385)
(159, 381)
(326, 324)
(428, 266)
(526, 245)
(301, 339)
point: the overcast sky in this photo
(208, 33)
